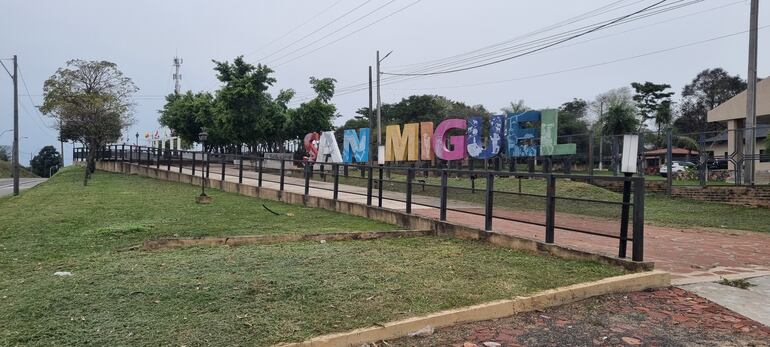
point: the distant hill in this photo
(6, 168)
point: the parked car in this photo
(717, 164)
(676, 167)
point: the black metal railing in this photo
(502, 197)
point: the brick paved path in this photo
(669, 317)
(692, 255)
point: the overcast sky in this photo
(142, 37)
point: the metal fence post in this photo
(157, 157)
(550, 208)
(638, 244)
(168, 160)
(336, 177)
(149, 157)
(624, 216)
(345, 170)
(443, 196)
(123, 152)
(379, 186)
(193, 163)
(259, 175)
(669, 176)
(308, 172)
(130, 153)
(489, 201)
(240, 169)
(409, 179)
(369, 186)
(701, 159)
(283, 173)
(181, 160)
(590, 157)
(222, 160)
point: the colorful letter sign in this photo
(401, 146)
(518, 133)
(521, 137)
(495, 139)
(458, 142)
(355, 146)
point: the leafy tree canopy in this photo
(47, 158)
(91, 101)
(709, 89)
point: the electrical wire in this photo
(530, 51)
(32, 103)
(317, 30)
(353, 32)
(392, 79)
(295, 28)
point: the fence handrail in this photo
(154, 156)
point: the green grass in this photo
(659, 209)
(221, 296)
(61, 217)
(6, 170)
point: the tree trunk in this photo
(89, 161)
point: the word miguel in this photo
(402, 144)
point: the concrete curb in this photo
(180, 242)
(492, 310)
(400, 218)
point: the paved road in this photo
(6, 184)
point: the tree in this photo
(91, 101)
(187, 114)
(709, 89)
(246, 111)
(47, 158)
(572, 121)
(315, 115)
(619, 120)
(516, 107)
(4, 153)
(650, 99)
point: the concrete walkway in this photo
(753, 302)
(691, 255)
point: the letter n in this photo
(355, 146)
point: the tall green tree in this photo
(516, 107)
(92, 104)
(315, 115)
(573, 126)
(187, 114)
(45, 160)
(247, 112)
(709, 89)
(650, 98)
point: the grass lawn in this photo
(659, 209)
(6, 170)
(221, 296)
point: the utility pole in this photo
(177, 75)
(15, 125)
(379, 105)
(371, 118)
(751, 97)
(601, 136)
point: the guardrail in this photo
(498, 204)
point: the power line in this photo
(317, 30)
(583, 67)
(531, 51)
(32, 103)
(590, 14)
(336, 31)
(354, 32)
(541, 42)
(6, 69)
(295, 28)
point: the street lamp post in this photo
(203, 198)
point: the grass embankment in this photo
(6, 171)
(250, 295)
(659, 209)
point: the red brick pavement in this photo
(684, 252)
(670, 317)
